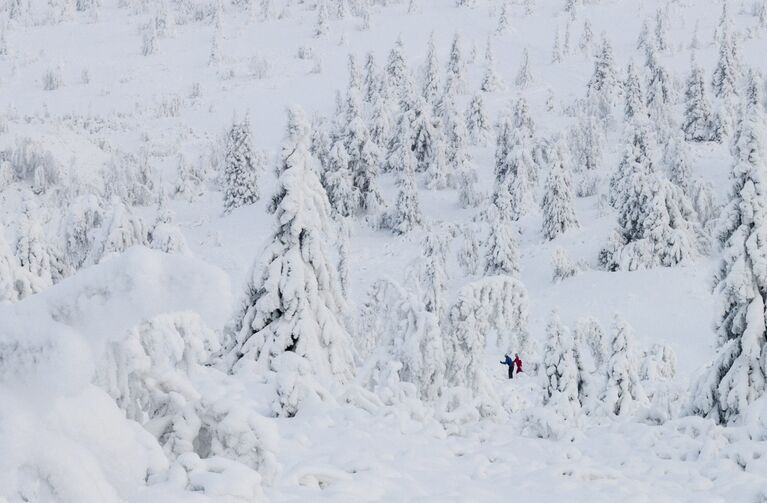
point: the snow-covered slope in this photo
(137, 374)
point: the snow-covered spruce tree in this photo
(736, 378)
(166, 236)
(356, 78)
(604, 82)
(121, 230)
(400, 336)
(292, 320)
(524, 75)
(562, 376)
(455, 80)
(468, 252)
(322, 25)
(661, 30)
(15, 282)
(585, 142)
(512, 195)
(623, 388)
(697, 124)
(562, 266)
(241, 168)
(426, 135)
(431, 86)
(557, 204)
(396, 73)
(406, 214)
(190, 180)
(337, 180)
(725, 78)
(501, 255)
(372, 83)
(502, 26)
(656, 221)
(659, 94)
(433, 277)
(477, 122)
(83, 216)
(363, 158)
(587, 37)
(633, 98)
(490, 82)
(556, 51)
(676, 156)
(379, 123)
(438, 171)
(589, 331)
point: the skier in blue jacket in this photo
(508, 361)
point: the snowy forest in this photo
(383, 251)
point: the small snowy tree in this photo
(557, 204)
(524, 75)
(406, 214)
(697, 125)
(563, 267)
(501, 255)
(241, 168)
(477, 122)
(559, 362)
(623, 389)
(633, 97)
(455, 81)
(490, 82)
(468, 252)
(292, 320)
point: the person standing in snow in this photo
(508, 361)
(517, 362)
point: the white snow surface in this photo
(64, 438)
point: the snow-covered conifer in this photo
(562, 376)
(661, 30)
(372, 82)
(524, 75)
(455, 81)
(623, 390)
(556, 52)
(337, 180)
(697, 124)
(294, 306)
(477, 122)
(501, 255)
(490, 82)
(166, 236)
(736, 377)
(431, 86)
(468, 252)
(406, 214)
(587, 36)
(633, 96)
(502, 26)
(562, 265)
(557, 204)
(241, 168)
(724, 80)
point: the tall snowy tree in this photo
(559, 362)
(501, 255)
(725, 80)
(623, 390)
(431, 87)
(633, 96)
(697, 125)
(477, 122)
(557, 205)
(455, 81)
(292, 320)
(406, 214)
(655, 219)
(241, 168)
(737, 377)
(524, 75)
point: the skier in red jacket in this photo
(518, 363)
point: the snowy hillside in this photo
(289, 250)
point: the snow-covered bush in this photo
(563, 267)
